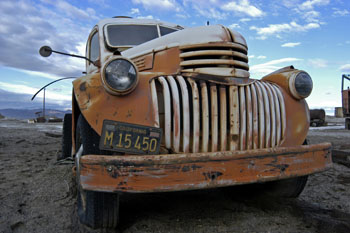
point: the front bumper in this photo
(175, 172)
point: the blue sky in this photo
(312, 35)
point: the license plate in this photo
(130, 138)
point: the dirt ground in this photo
(38, 195)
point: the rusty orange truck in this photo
(164, 108)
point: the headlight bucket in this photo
(300, 85)
(119, 76)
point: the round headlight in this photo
(300, 85)
(120, 76)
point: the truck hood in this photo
(197, 35)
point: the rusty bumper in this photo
(174, 172)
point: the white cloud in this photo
(158, 4)
(182, 16)
(308, 5)
(210, 13)
(318, 63)
(23, 89)
(145, 17)
(234, 25)
(39, 74)
(271, 66)
(257, 57)
(134, 11)
(276, 29)
(345, 68)
(21, 39)
(244, 20)
(243, 7)
(290, 44)
(311, 16)
(75, 12)
(338, 12)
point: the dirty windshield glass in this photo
(126, 35)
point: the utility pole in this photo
(44, 104)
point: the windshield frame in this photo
(109, 45)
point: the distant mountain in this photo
(30, 113)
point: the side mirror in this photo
(45, 51)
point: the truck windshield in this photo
(130, 35)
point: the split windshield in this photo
(131, 35)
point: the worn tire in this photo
(95, 209)
(66, 137)
(289, 188)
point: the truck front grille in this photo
(218, 55)
(199, 116)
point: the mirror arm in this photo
(73, 55)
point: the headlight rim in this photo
(112, 90)
(292, 87)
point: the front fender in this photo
(96, 104)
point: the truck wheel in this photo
(347, 123)
(95, 209)
(66, 137)
(289, 188)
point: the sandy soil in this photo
(38, 195)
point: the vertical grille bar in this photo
(267, 115)
(234, 118)
(167, 111)
(249, 115)
(261, 114)
(195, 116)
(223, 121)
(205, 116)
(272, 111)
(255, 117)
(277, 113)
(185, 115)
(283, 113)
(242, 119)
(176, 113)
(214, 117)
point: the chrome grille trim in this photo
(223, 121)
(176, 114)
(185, 115)
(234, 117)
(167, 111)
(214, 117)
(195, 116)
(205, 116)
(199, 116)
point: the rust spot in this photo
(281, 167)
(82, 86)
(212, 175)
